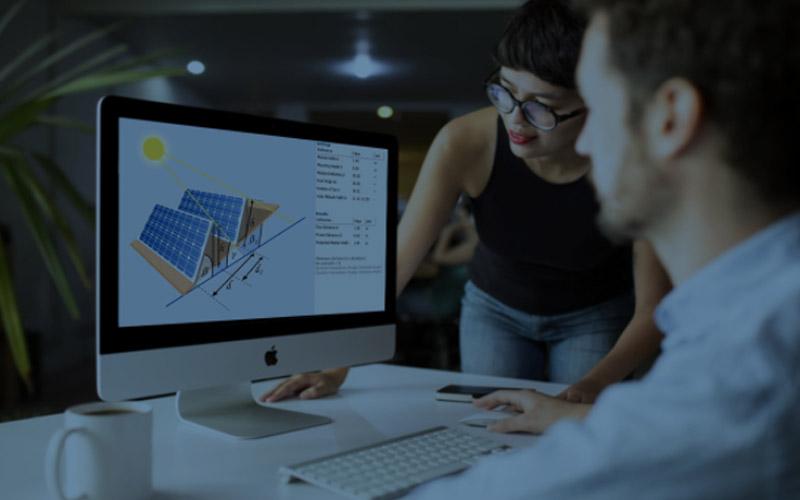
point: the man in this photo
(692, 106)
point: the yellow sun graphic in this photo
(154, 149)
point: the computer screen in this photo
(233, 247)
(221, 225)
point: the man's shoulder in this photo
(780, 318)
(775, 300)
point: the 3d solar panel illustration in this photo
(202, 237)
(225, 210)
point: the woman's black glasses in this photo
(537, 114)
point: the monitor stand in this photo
(232, 410)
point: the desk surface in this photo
(377, 402)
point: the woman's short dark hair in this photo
(544, 38)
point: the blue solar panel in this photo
(176, 236)
(225, 211)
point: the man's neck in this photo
(709, 222)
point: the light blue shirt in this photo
(718, 416)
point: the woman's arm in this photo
(444, 174)
(639, 342)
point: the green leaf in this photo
(12, 324)
(41, 236)
(98, 80)
(21, 118)
(92, 63)
(9, 153)
(10, 14)
(64, 122)
(51, 211)
(60, 179)
(26, 54)
(57, 56)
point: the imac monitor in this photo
(233, 248)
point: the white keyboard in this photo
(391, 468)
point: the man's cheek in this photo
(603, 173)
(603, 185)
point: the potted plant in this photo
(26, 102)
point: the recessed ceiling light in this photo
(196, 67)
(385, 112)
(363, 66)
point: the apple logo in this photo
(271, 357)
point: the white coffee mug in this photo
(109, 456)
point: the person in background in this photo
(433, 295)
(691, 131)
(549, 295)
(458, 240)
(429, 307)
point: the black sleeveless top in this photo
(540, 250)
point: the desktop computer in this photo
(233, 248)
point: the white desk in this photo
(377, 402)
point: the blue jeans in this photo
(496, 339)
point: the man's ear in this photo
(673, 118)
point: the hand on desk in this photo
(537, 411)
(307, 385)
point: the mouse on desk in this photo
(486, 418)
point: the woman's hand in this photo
(307, 385)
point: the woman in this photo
(548, 295)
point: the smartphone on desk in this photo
(468, 393)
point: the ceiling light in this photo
(363, 66)
(196, 67)
(385, 112)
